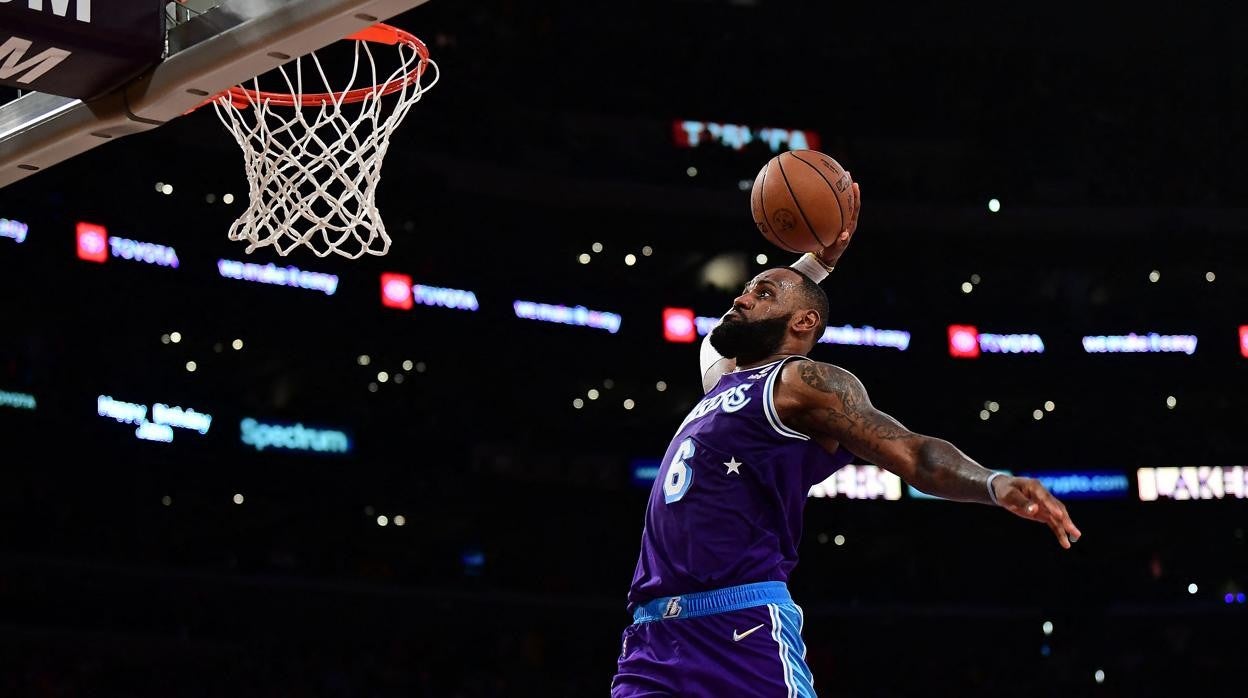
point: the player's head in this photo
(780, 311)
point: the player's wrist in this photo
(992, 491)
(812, 267)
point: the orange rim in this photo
(242, 97)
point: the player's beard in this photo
(749, 341)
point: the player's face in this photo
(758, 322)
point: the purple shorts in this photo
(738, 641)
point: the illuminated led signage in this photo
(1083, 484)
(278, 276)
(96, 245)
(1243, 340)
(678, 325)
(563, 315)
(294, 437)
(859, 482)
(18, 401)
(644, 471)
(694, 134)
(1204, 482)
(398, 291)
(14, 230)
(967, 342)
(156, 423)
(1151, 343)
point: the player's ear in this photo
(804, 320)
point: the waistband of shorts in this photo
(707, 603)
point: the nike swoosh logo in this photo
(737, 637)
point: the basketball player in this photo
(712, 615)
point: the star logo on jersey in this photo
(733, 466)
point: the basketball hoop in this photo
(313, 167)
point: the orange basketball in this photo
(801, 200)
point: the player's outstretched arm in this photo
(824, 400)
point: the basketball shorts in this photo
(733, 642)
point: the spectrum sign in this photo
(967, 342)
(694, 134)
(1151, 343)
(278, 276)
(14, 230)
(563, 315)
(95, 245)
(859, 482)
(398, 291)
(1204, 482)
(18, 401)
(159, 427)
(293, 437)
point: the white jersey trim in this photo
(769, 404)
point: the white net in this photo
(313, 162)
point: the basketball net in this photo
(312, 166)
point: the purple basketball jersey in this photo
(726, 508)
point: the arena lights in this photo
(859, 482)
(398, 291)
(1243, 340)
(296, 437)
(278, 276)
(14, 230)
(163, 418)
(18, 401)
(644, 471)
(1151, 343)
(563, 315)
(95, 244)
(967, 342)
(694, 134)
(1083, 484)
(1204, 482)
(679, 325)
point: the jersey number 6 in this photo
(679, 474)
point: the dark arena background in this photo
(347, 489)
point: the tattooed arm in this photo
(829, 403)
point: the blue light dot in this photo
(1229, 597)
(1045, 651)
(1240, 597)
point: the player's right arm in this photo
(829, 402)
(713, 365)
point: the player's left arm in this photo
(823, 400)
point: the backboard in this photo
(208, 47)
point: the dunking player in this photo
(712, 615)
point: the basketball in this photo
(801, 200)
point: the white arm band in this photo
(708, 357)
(992, 493)
(810, 265)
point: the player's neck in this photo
(769, 359)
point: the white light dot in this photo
(967, 287)
(1047, 628)
(761, 259)
(994, 205)
(228, 198)
(984, 415)
(629, 404)
(160, 187)
(839, 539)
(166, 189)
(647, 251)
(993, 406)
(1192, 588)
(1210, 276)
(191, 366)
(363, 359)
(372, 387)
(692, 171)
(596, 247)
(400, 520)
(974, 278)
(164, 339)
(238, 499)
(1171, 401)
(1099, 676)
(823, 538)
(630, 259)
(237, 344)
(382, 520)
(210, 198)
(593, 394)
(420, 366)
(584, 258)
(398, 378)
(578, 403)
(175, 337)
(407, 364)
(382, 376)
(166, 500)
(1049, 406)
(1154, 276)
(1038, 415)
(660, 386)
